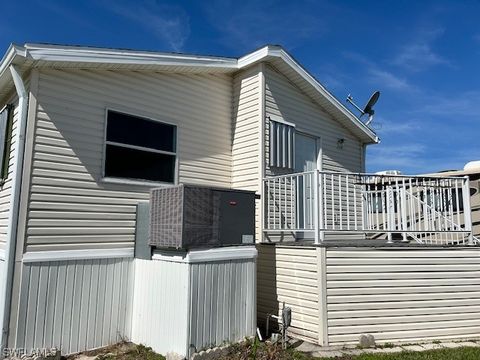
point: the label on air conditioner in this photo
(247, 239)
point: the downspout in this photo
(15, 201)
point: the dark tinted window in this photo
(136, 164)
(149, 163)
(134, 130)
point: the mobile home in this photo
(88, 132)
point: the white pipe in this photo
(15, 201)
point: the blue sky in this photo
(422, 55)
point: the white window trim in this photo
(280, 119)
(133, 181)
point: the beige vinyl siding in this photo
(246, 138)
(6, 189)
(70, 206)
(402, 295)
(290, 275)
(284, 100)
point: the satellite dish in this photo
(368, 109)
(373, 100)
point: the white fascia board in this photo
(322, 90)
(252, 58)
(126, 57)
(210, 255)
(39, 256)
(12, 52)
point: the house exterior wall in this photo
(289, 274)
(5, 190)
(246, 130)
(6, 201)
(285, 101)
(70, 206)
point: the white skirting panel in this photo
(160, 305)
(75, 305)
(187, 302)
(403, 295)
(222, 302)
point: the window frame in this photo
(140, 182)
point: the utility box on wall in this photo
(188, 216)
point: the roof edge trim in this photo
(38, 52)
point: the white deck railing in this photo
(428, 210)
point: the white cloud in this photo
(378, 76)
(386, 79)
(168, 23)
(396, 157)
(396, 127)
(419, 54)
(465, 104)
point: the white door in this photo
(307, 150)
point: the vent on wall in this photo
(282, 145)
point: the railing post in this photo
(403, 205)
(316, 205)
(321, 204)
(467, 209)
(390, 208)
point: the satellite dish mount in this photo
(368, 109)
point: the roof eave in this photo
(72, 54)
(123, 57)
(13, 52)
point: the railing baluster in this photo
(297, 202)
(364, 201)
(292, 209)
(316, 206)
(340, 204)
(333, 202)
(355, 212)
(383, 203)
(267, 203)
(325, 202)
(411, 213)
(274, 205)
(467, 210)
(347, 190)
(376, 225)
(419, 210)
(320, 215)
